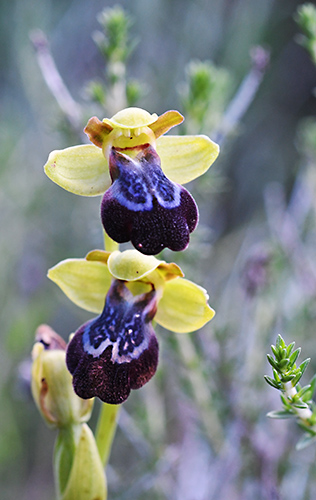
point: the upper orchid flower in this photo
(118, 350)
(140, 171)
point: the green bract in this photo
(182, 306)
(84, 170)
(87, 469)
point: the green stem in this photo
(106, 430)
(109, 244)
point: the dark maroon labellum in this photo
(145, 207)
(117, 351)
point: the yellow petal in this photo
(185, 157)
(183, 307)
(81, 170)
(131, 265)
(165, 122)
(85, 282)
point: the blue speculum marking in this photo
(141, 180)
(122, 325)
(133, 189)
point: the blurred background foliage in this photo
(199, 430)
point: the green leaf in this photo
(273, 363)
(184, 157)
(301, 406)
(276, 375)
(285, 401)
(305, 441)
(289, 349)
(85, 283)
(280, 342)
(294, 357)
(280, 414)
(282, 352)
(81, 170)
(303, 366)
(297, 378)
(287, 378)
(283, 363)
(272, 382)
(183, 307)
(305, 390)
(275, 351)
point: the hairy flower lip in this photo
(118, 350)
(145, 207)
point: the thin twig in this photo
(245, 94)
(54, 81)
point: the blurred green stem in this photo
(106, 430)
(201, 392)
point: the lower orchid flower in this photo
(146, 202)
(118, 350)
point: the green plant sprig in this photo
(116, 46)
(296, 400)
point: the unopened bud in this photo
(52, 383)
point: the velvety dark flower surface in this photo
(145, 207)
(117, 351)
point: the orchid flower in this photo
(118, 351)
(140, 172)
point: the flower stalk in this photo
(106, 428)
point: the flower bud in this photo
(52, 384)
